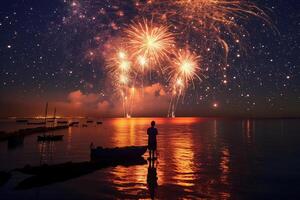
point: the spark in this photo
(150, 41)
(185, 65)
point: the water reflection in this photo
(183, 158)
(249, 130)
(152, 178)
(197, 158)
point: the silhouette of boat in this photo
(99, 122)
(129, 152)
(36, 123)
(48, 174)
(22, 120)
(62, 122)
(46, 138)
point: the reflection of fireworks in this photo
(149, 42)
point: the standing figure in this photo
(152, 132)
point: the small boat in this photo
(74, 124)
(48, 174)
(99, 122)
(22, 120)
(62, 122)
(89, 121)
(129, 152)
(46, 138)
(36, 123)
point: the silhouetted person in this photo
(152, 178)
(152, 132)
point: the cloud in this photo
(150, 100)
(80, 104)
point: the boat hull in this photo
(50, 138)
(130, 152)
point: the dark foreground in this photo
(197, 158)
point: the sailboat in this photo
(48, 138)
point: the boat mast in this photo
(54, 116)
(46, 112)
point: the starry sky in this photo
(52, 51)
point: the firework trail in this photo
(120, 69)
(184, 69)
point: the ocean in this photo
(198, 158)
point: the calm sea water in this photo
(197, 158)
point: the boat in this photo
(49, 174)
(62, 122)
(74, 124)
(36, 123)
(21, 120)
(89, 121)
(128, 152)
(48, 138)
(99, 122)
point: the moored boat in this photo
(128, 152)
(36, 123)
(50, 137)
(62, 122)
(22, 120)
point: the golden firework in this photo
(149, 42)
(185, 66)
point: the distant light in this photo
(288, 77)
(9, 46)
(215, 105)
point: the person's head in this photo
(153, 123)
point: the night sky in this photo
(53, 51)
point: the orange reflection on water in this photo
(175, 147)
(184, 161)
(124, 131)
(224, 165)
(249, 129)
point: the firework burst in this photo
(184, 70)
(185, 66)
(149, 43)
(213, 23)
